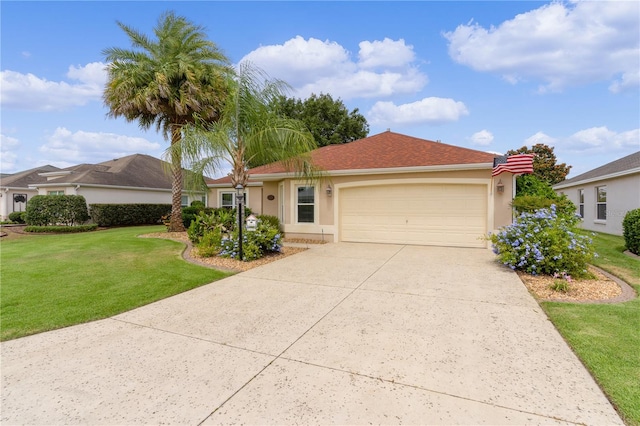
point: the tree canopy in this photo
(329, 120)
(545, 165)
(249, 132)
(168, 81)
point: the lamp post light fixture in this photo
(500, 187)
(329, 191)
(239, 199)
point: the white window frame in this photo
(55, 193)
(581, 203)
(601, 203)
(184, 201)
(314, 204)
(234, 202)
(233, 199)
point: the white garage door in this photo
(425, 214)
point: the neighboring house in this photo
(15, 191)
(604, 195)
(136, 178)
(387, 188)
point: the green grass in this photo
(607, 337)
(53, 281)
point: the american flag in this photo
(517, 164)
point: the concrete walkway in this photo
(339, 334)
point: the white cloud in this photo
(386, 53)
(92, 147)
(595, 140)
(482, 138)
(8, 156)
(562, 44)
(383, 68)
(540, 137)
(428, 110)
(601, 139)
(30, 92)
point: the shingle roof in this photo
(618, 166)
(27, 177)
(137, 170)
(383, 151)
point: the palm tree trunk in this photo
(175, 223)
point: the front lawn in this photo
(54, 281)
(607, 337)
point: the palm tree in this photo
(169, 82)
(249, 132)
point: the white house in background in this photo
(15, 191)
(604, 195)
(133, 179)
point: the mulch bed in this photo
(605, 288)
(221, 263)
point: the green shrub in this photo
(532, 203)
(210, 243)
(17, 217)
(198, 204)
(532, 185)
(544, 242)
(189, 215)
(69, 210)
(272, 221)
(631, 231)
(255, 244)
(61, 229)
(128, 214)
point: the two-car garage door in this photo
(426, 214)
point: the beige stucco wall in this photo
(623, 194)
(7, 205)
(499, 207)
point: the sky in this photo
(490, 76)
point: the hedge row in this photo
(61, 229)
(128, 214)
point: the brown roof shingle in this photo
(383, 151)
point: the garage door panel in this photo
(427, 214)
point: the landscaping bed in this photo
(225, 264)
(602, 289)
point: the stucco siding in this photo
(324, 226)
(623, 194)
(121, 196)
(7, 204)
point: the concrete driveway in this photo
(339, 334)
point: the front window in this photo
(184, 201)
(306, 204)
(227, 200)
(581, 202)
(55, 192)
(601, 202)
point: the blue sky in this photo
(491, 76)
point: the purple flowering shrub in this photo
(544, 243)
(255, 244)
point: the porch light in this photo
(500, 187)
(329, 191)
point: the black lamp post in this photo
(239, 199)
